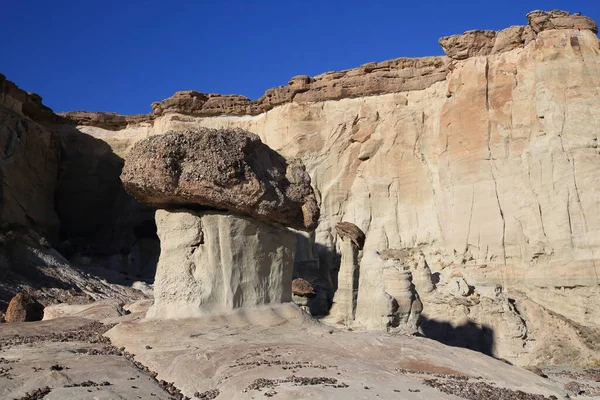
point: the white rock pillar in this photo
(352, 241)
(213, 262)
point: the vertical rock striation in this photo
(214, 262)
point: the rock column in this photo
(352, 241)
(213, 262)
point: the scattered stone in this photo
(208, 395)
(37, 394)
(263, 383)
(480, 390)
(573, 388)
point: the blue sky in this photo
(122, 55)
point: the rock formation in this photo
(302, 293)
(24, 308)
(62, 191)
(218, 254)
(387, 299)
(212, 262)
(485, 160)
(230, 170)
(28, 162)
(344, 300)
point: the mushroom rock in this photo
(344, 304)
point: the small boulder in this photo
(301, 287)
(24, 308)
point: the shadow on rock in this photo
(468, 335)
(100, 223)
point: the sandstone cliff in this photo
(485, 160)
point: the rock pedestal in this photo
(343, 306)
(214, 262)
(352, 241)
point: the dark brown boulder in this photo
(226, 169)
(24, 308)
(301, 287)
(352, 232)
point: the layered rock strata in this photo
(213, 262)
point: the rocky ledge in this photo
(485, 42)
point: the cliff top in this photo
(391, 76)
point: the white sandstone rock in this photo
(214, 262)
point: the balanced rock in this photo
(344, 304)
(24, 308)
(228, 169)
(302, 293)
(213, 262)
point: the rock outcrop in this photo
(29, 156)
(221, 169)
(24, 308)
(485, 42)
(213, 262)
(387, 299)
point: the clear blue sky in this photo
(121, 55)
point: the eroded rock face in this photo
(387, 299)
(29, 157)
(484, 42)
(213, 262)
(557, 19)
(222, 169)
(24, 308)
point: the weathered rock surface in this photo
(68, 358)
(28, 263)
(557, 19)
(249, 350)
(387, 298)
(484, 42)
(28, 161)
(214, 262)
(97, 310)
(221, 169)
(24, 308)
